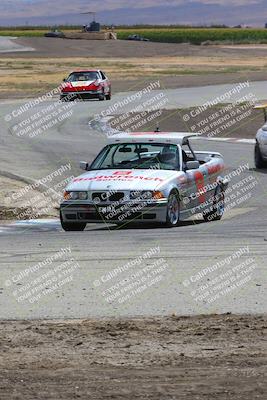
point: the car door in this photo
(197, 180)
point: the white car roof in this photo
(156, 137)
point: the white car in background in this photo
(261, 141)
(146, 177)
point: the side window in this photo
(102, 75)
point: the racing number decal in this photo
(122, 173)
(200, 183)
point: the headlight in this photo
(146, 195)
(135, 195)
(75, 195)
(83, 195)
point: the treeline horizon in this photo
(135, 26)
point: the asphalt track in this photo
(186, 250)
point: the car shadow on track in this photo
(142, 226)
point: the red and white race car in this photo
(146, 177)
(90, 84)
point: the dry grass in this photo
(34, 75)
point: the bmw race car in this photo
(146, 177)
(261, 141)
(91, 84)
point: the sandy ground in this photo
(206, 357)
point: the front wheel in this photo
(218, 207)
(102, 97)
(259, 162)
(108, 96)
(173, 210)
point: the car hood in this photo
(111, 179)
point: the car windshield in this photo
(83, 76)
(138, 156)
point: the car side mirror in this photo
(192, 165)
(84, 165)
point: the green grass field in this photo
(198, 35)
(165, 35)
(21, 33)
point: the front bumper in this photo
(88, 94)
(106, 213)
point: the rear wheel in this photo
(217, 208)
(72, 226)
(259, 162)
(173, 210)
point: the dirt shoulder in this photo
(19, 203)
(188, 80)
(222, 121)
(205, 357)
(20, 86)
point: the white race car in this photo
(146, 177)
(261, 141)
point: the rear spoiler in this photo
(262, 107)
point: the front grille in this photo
(106, 196)
(71, 216)
(88, 216)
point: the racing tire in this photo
(108, 96)
(217, 208)
(64, 98)
(259, 162)
(102, 97)
(72, 226)
(173, 210)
